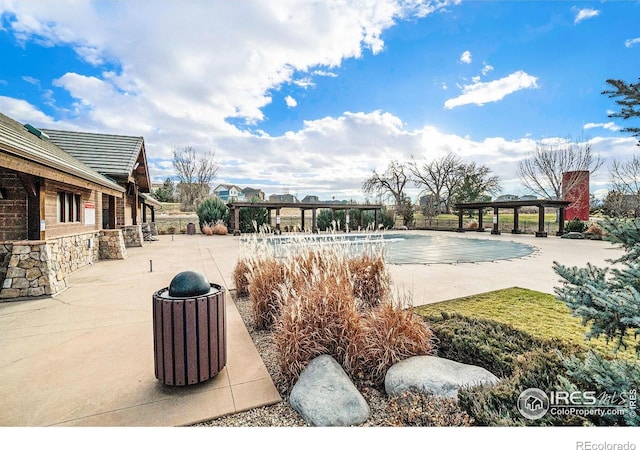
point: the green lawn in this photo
(536, 313)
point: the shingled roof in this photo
(109, 154)
(15, 139)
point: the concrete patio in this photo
(85, 357)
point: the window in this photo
(68, 207)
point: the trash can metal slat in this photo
(167, 335)
(178, 343)
(192, 341)
(203, 338)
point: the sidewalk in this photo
(85, 357)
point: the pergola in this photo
(541, 204)
(235, 207)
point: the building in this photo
(233, 193)
(119, 158)
(311, 199)
(58, 213)
(229, 193)
(506, 198)
(283, 198)
(252, 194)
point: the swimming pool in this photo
(408, 248)
(447, 249)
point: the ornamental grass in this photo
(388, 333)
(333, 298)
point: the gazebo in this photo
(235, 207)
(541, 204)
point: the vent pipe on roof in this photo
(33, 130)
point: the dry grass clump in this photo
(318, 317)
(388, 334)
(206, 229)
(416, 409)
(264, 278)
(219, 229)
(324, 299)
(371, 281)
(240, 277)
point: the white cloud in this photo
(631, 42)
(486, 68)
(607, 126)
(290, 101)
(480, 93)
(324, 73)
(212, 61)
(24, 112)
(334, 155)
(31, 80)
(584, 14)
(466, 57)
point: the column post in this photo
(516, 217)
(541, 232)
(496, 221)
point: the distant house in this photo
(528, 197)
(507, 198)
(229, 193)
(283, 198)
(311, 199)
(252, 194)
(428, 201)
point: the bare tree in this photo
(194, 175)
(437, 178)
(625, 180)
(542, 172)
(448, 180)
(390, 183)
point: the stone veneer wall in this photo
(36, 268)
(112, 245)
(132, 236)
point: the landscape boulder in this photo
(572, 235)
(325, 396)
(439, 376)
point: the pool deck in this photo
(433, 283)
(85, 356)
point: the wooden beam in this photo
(29, 167)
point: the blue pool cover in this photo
(407, 248)
(444, 249)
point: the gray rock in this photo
(325, 396)
(439, 376)
(572, 235)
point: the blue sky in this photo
(310, 98)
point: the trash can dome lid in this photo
(188, 284)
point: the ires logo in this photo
(534, 404)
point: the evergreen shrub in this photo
(212, 211)
(575, 225)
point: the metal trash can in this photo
(189, 330)
(191, 228)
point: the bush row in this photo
(522, 361)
